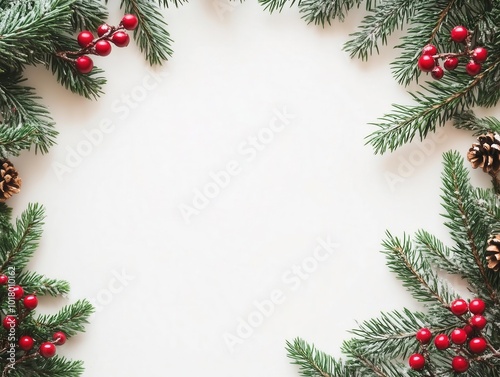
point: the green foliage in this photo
(380, 346)
(17, 244)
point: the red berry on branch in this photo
(85, 38)
(130, 21)
(459, 336)
(429, 49)
(4, 279)
(84, 64)
(30, 302)
(442, 342)
(103, 29)
(459, 307)
(477, 306)
(426, 63)
(473, 68)
(47, 350)
(450, 63)
(59, 338)
(120, 39)
(480, 54)
(424, 335)
(437, 73)
(416, 361)
(103, 47)
(9, 322)
(478, 322)
(477, 345)
(26, 342)
(18, 291)
(460, 364)
(459, 34)
(468, 329)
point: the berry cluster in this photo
(429, 60)
(24, 305)
(100, 45)
(466, 341)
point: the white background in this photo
(115, 209)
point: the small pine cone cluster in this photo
(485, 154)
(10, 182)
(493, 253)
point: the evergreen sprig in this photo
(379, 346)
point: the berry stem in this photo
(90, 48)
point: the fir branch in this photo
(27, 30)
(56, 366)
(377, 26)
(467, 226)
(41, 285)
(443, 100)
(87, 15)
(17, 248)
(168, 3)
(324, 11)
(393, 334)
(15, 139)
(20, 108)
(151, 35)
(276, 5)
(5, 221)
(439, 254)
(467, 120)
(314, 363)
(70, 319)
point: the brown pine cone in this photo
(10, 183)
(493, 253)
(485, 154)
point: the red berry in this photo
(84, 64)
(480, 54)
(429, 50)
(416, 361)
(437, 73)
(477, 345)
(85, 38)
(460, 364)
(103, 29)
(477, 306)
(450, 63)
(459, 34)
(18, 291)
(120, 39)
(9, 322)
(59, 338)
(129, 21)
(468, 329)
(103, 47)
(4, 279)
(26, 342)
(30, 302)
(442, 341)
(473, 68)
(47, 349)
(424, 336)
(478, 322)
(459, 336)
(459, 307)
(426, 63)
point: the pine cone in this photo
(10, 183)
(493, 253)
(486, 153)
